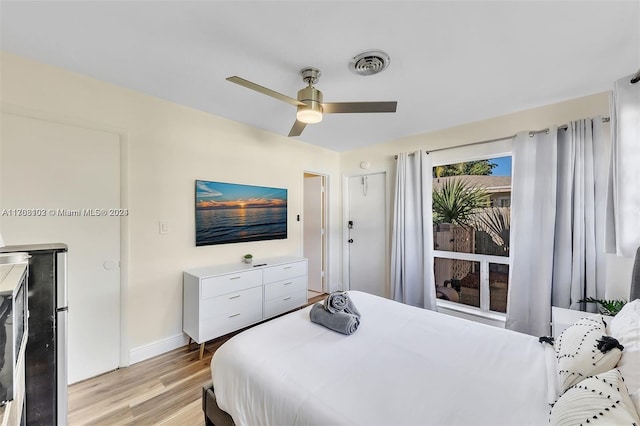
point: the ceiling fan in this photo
(309, 102)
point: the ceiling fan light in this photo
(309, 115)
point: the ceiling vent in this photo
(370, 62)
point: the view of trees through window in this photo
(471, 223)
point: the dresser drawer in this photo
(285, 303)
(229, 283)
(231, 304)
(285, 271)
(224, 314)
(216, 327)
(285, 288)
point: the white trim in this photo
(346, 285)
(485, 289)
(159, 347)
(326, 285)
(472, 153)
(474, 314)
(502, 260)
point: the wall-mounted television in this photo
(234, 213)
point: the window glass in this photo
(460, 281)
(498, 287)
(472, 215)
(471, 206)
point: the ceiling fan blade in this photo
(348, 107)
(297, 128)
(253, 86)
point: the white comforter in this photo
(404, 366)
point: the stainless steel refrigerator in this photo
(46, 352)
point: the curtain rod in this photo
(531, 133)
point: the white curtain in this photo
(533, 205)
(579, 257)
(558, 220)
(623, 200)
(412, 280)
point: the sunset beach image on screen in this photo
(234, 213)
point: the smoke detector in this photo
(370, 62)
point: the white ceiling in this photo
(452, 62)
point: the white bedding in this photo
(404, 366)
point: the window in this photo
(471, 223)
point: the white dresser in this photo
(224, 298)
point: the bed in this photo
(403, 366)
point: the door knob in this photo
(350, 240)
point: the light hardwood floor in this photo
(165, 390)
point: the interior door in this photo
(313, 212)
(367, 234)
(68, 173)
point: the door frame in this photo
(326, 287)
(346, 208)
(123, 137)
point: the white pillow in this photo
(599, 400)
(553, 387)
(625, 327)
(578, 355)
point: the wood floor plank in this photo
(99, 403)
(164, 405)
(136, 395)
(165, 390)
(189, 415)
(121, 416)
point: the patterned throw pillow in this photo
(580, 351)
(626, 328)
(599, 400)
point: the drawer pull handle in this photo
(287, 267)
(234, 297)
(234, 315)
(288, 282)
(287, 298)
(235, 278)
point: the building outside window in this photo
(471, 224)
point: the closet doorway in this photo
(314, 220)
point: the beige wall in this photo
(166, 148)
(381, 156)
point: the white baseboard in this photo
(157, 348)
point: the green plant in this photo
(456, 202)
(495, 221)
(248, 256)
(478, 167)
(607, 307)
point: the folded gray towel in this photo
(340, 301)
(339, 321)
